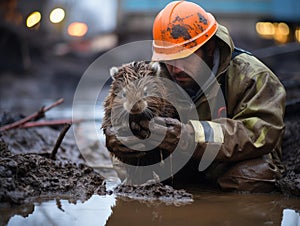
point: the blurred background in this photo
(45, 46)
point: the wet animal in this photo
(137, 94)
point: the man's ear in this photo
(113, 71)
(155, 66)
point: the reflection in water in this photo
(95, 211)
(207, 209)
(290, 218)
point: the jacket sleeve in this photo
(255, 108)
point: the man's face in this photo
(189, 72)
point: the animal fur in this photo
(136, 94)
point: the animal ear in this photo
(155, 66)
(113, 71)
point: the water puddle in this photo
(94, 211)
(207, 209)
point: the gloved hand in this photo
(174, 133)
(118, 142)
(166, 134)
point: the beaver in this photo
(137, 94)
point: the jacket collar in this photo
(226, 47)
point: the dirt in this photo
(27, 172)
(180, 31)
(290, 183)
(27, 176)
(155, 192)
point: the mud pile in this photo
(290, 183)
(27, 176)
(27, 171)
(155, 192)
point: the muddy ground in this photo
(28, 171)
(26, 176)
(290, 183)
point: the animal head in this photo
(136, 87)
(135, 70)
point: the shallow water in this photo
(207, 209)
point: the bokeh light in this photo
(282, 32)
(279, 32)
(77, 29)
(57, 15)
(297, 34)
(33, 19)
(265, 29)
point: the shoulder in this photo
(248, 78)
(245, 68)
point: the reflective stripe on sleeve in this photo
(199, 131)
(207, 132)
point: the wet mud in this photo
(289, 184)
(28, 173)
(154, 192)
(180, 31)
(25, 177)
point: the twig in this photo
(59, 140)
(37, 115)
(50, 123)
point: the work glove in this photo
(174, 133)
(118, 146)
(118, 141)
(166, 134)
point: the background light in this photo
(297, 34)
(265, 29)
(279, 32)
(77, 29)
(57, 15)
(33, 19)
(283, 29)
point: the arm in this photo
(256, 106)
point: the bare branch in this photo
(59, 140)
(35, 116)
(50, 123)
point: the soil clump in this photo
(30, 175)
(289, 184)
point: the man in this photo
(247, 126)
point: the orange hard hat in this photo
(180, 29)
